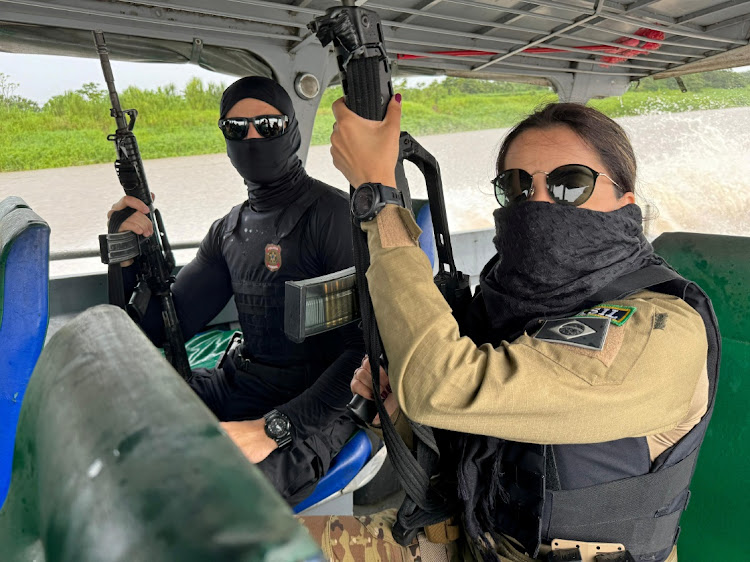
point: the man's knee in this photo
(359, 538)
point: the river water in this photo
(694, 175)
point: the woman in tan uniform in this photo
(571, 402)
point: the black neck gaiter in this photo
(272, 171)
(551, 258)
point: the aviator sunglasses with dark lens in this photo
(268, 126)
(571, 184)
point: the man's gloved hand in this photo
(131, 213)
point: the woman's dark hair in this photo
(597, 130)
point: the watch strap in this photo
(391, 195)
(384, 195)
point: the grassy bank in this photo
(71, 129)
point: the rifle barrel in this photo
(109, 78)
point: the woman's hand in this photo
(138, 222)
(250, 436)
(362, 384)
(364, 150)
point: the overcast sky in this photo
(42, 76)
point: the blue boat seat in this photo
(344, 467)
(424, 221)
(24, 314)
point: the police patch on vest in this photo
(586, 332)
(616, 313)
(273, 257)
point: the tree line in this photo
(91, 98)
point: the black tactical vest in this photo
(609, 492)
(264, 250)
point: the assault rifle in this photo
(366, 79)
(153, 255)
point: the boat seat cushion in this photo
(344, 467)
(131, 465)
(24, 314)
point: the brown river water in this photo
(694, 175)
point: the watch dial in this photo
(363, 201)
(278, 427)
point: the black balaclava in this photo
(273, 172)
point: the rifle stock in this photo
(153, 256)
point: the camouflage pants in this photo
(368, 539)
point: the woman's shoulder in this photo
(664, 308)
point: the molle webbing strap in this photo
(642, 513)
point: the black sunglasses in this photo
(268, 126)
(571, 184)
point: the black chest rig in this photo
(263, 250)
(554, 491)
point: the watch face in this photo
(277, 426)
(364, 199)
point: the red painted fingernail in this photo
(384, 394)
(388, 388)
(398, 98)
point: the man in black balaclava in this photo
(291, 227)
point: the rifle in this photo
(366, 79)
(153, 255)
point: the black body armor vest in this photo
(263, 250)
(609, 492)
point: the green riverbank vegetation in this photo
(71, 128)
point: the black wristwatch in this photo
(279, 428)
(370, 198)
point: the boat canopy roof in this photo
(607, 42)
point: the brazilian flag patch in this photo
(616, 313)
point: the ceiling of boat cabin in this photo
(526, 39)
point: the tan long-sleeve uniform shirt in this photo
(649, 379)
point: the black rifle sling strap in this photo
(630, 283)
(424, 504)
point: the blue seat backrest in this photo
(424, 221)
(715, 523)
(24, 313)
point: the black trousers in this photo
(234, 394)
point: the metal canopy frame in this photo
(564, 42)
